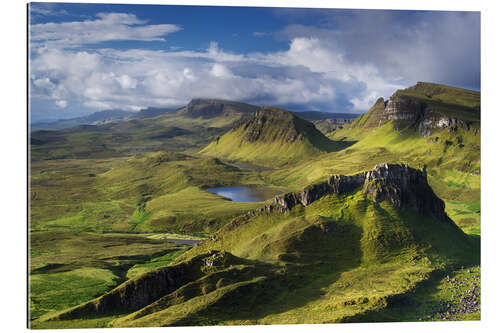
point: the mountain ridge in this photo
(271, 134)
(212, 107)
(426, 107)
(99, 118)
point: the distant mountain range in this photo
(199, 107)
(99, 118)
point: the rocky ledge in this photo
(426, 108)
(406, 111)
(399, 184)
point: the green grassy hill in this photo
(341, 250)
(211, 108)
(272, 137)
(449, 148)
(425, 107)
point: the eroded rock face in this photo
(145, 289)
(426, 126)
(409, 112)
(403, 108)
(401, 185)
(208, 108)
(133, 294)
(337, 184)
(404, 187)
(205, 108)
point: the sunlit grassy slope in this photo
(334, 260)
(452, 159)
(272, 137)
(67, 268)
(157, 192)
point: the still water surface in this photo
(244, 193)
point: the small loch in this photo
(244, 193)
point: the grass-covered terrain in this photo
(103, 200)
(68, 268)
(156, 192)
(339, 259)
(273, 137)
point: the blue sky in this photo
(91, 57)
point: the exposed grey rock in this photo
(133, 294)
(146, 288)
(409, 112)
(404, 187)
(215, 258)
(401, 185)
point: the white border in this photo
(13, 162)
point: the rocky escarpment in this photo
(404, 187)
(145, 289)
(209, 108)
(401, 185)
(411, 112)
(425, 107)
(337, 184)
(131, 295)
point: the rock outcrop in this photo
(131, 295)
(209, 108)
(408, 112)
(404, 187)
(401, 185)
(337, 184)
(145, 289)
(423, 108)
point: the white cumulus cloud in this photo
(339, 70)
(106, 27)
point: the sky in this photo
(85, 58)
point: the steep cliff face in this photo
(209, 108)
(425, 107)
(404, 187)
(407, 111)
(149, 288)
(401, 185)
(133, 294)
